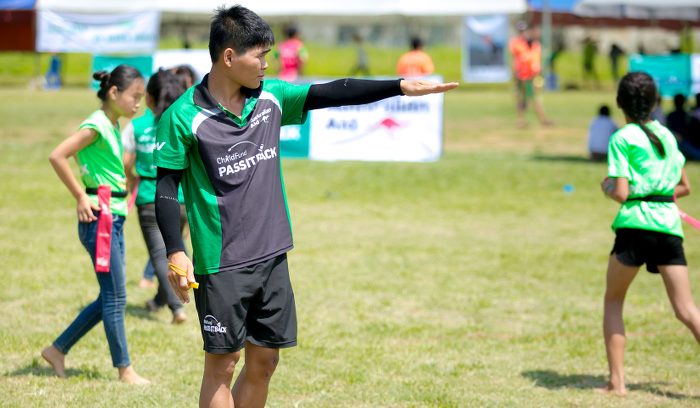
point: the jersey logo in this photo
(263, 116)
(239, 158)
(160, 145)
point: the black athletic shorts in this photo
(254, 304)
(634, 247)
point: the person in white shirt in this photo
(599, 132)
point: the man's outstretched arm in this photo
(351, 91)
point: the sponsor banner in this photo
(395, 129)
(199, 60)
(294, 140)
(97, 33)
(695, 72)
(144, 63)
(485, 40)
(671, 72)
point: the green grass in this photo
(472, 281)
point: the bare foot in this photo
(56, 359)
(146, 283)
(179, 317)
(129, 376)
(610, 390)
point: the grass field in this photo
(473, 281)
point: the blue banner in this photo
(670, 72)
(17, 4)
(144, 63)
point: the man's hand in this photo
(417, 87)
(181, 284)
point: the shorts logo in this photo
(212, 325)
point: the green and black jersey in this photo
(232, 178)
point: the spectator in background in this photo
(292, 56)
(527, 66)
(415, 62)
(678, 119)
(599, 132)
(362, 62)
(695, 112)
(685, 127)
(658, 113)
(615, 53)
(590, 48)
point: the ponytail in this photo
(122, 77)
(652, 138)
(103, 77)
(636, 96)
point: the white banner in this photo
(97, 33)
(695, 73)
(199, 60)
(395, 129)
(485, 40)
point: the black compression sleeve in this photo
(168, 209)
(350, 92)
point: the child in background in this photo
(599, 132)
(292, 56)
(645, 173)
(101, 210)
(163, 88)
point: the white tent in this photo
(642, 9)
(278, 8)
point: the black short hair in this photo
(416, 43)
(238, 28)
(291, 31)
(679, 101)
(604, 110)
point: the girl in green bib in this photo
(645, 174)
(163, 88)
(101, 209)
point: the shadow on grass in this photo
(552, 380)
(140, 312)
(567, 158)
(42, 369)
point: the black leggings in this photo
(156, 250)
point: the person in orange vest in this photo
(415, 62)
(527, 67)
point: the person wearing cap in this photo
(527, 67)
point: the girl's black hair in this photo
(164, 87)
(636, 96)
(122, 77)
